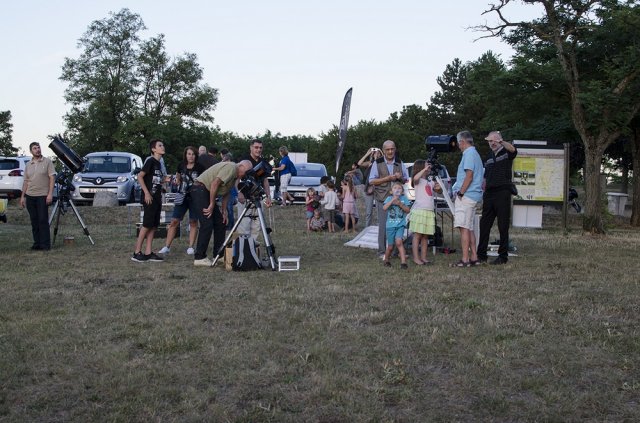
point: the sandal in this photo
(460, 264)
(473, 263)
(404, 266)
(387, 264)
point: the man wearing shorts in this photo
(468, 192)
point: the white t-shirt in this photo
(329, 201)
(424, 195)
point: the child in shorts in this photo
(397, 207)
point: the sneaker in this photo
(202, 262)
(381, 256)
(139, 257)
(191, 251)
(164, 250)
(154, 257)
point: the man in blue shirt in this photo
(468, 192)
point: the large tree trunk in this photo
(635, 152)
(593, 220)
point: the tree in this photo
(124, 91)
(603, 98)
(445, 107)
(635, 150)
(6, 130)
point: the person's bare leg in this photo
(464, 244)
(150, 234)
(425, 247)
(193, 232)
(415, 246)
(141, 236)
(401, 250)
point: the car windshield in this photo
(107, 164)
(309, 169)
(9, 164)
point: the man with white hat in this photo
(496, 200)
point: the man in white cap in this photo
(496, 200)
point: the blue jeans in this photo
(39, 214)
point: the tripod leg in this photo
(84, 227)
(271, 250)
(233, 230)
(54, 209)
(59, 211)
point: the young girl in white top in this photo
(423, 219)
(329, 202)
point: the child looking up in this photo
(423, 218)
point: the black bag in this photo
(292, 169)
(437, 239)
(245, 255)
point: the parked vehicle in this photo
(12, 176)
(111, 171)
(309, 175)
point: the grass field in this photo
(88, 335)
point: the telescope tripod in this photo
(271, 249)
(60, 208)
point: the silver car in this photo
(111, 171)
(308, 176)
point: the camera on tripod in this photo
(438, 144)
(251, 184)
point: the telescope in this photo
(66, 155)
(441, 143)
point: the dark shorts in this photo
(179, 210)
(151, 218)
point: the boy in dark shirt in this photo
(150, 178)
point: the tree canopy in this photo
(596, 46)
(124, 91)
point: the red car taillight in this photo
(16, 172)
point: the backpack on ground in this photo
(245, 254)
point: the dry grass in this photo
(88, 335)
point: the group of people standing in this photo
(206, 186)
(205, 190)
(488, 181)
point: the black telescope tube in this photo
(69, 157)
